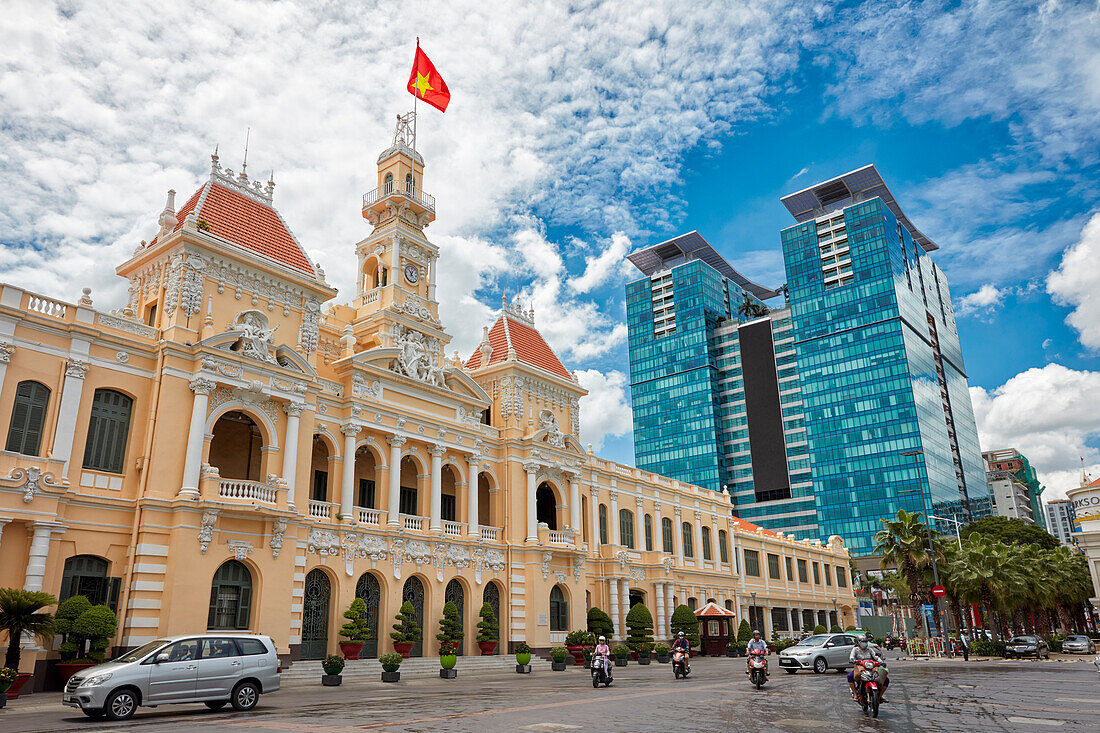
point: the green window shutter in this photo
(113, 586)
(28, 415)
(244, 606)
(213, 615)
(108, 427)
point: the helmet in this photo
(756, 632)
(863, 643)
(603, 638)
(680, 635)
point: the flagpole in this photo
(415, 95)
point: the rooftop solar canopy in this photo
(688, 247)
(861, 184)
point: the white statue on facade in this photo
(255, 337)
(417, 356)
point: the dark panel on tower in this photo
(768, 450)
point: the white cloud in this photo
(1049, 414)
(605, 410)
(604, 266)
(1076, 283)
(982, 302)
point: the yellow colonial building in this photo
(232, 450)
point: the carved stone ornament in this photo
(483, 558)
(202, 386)
(669, 563)
(76, 369)
(350, 545)
(637, 573)
(362, 387)
(294, 409)
(246, 397)
(549, 423)
(578, 565)
(255, 338)
(621, 555)
(308, 331)
(206, 529)
(546, 558)
(191, 284)
(559, 576)
(225, 369)
(240, 549)
(32, 480)
(470, 417)
(277, 532)
(413, 551)
(444, 556)
(418, 356)
(6, 352)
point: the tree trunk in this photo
(11, 658)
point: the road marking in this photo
(1037, 721)
(1093, 700)
(550, 726)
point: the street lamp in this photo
(752, 620)
(954, 521)
(928, 527)
(836, 614)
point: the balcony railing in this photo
(413, 194)
(488, 533)
(367, 516)
(454, 529)
(414, 524)
(254, 490)
(47, 306)
(561, 537)
(320, 509)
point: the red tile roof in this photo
(747, 526)
(528, 343)
(246, 223)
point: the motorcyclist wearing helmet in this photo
(755, 644)
(603, 650)
(866, 650)
(682, 644)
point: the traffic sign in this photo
(938, 591)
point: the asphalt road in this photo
(926, 696)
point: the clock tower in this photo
(397, 264)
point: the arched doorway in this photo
(409, 503)
(86, 575)
(546, 505)
(559, 610)
(413, 592)
(319, 470)
(236, 448)
(456, 595)
(484, 501)
(636, 597)
(491, 595)
(371, 592)
(366, 469)
(315, 615)
(448, 494)
(230, 597)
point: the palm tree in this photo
(1069, 579)
(19, 615)
(746, 308)
(902, 544)
(985, 573)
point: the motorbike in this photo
(601, 671)
(680, 664)
(867, 686)
(758, 669)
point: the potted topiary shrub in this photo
(448, 658)
(355, 630)
(620, 652)
(8, 676)
(599, 623)
(558, 655)
(21, 613)
(391, 666)
(744, 632)
(72, 644)
(575, 642)
(662, 650)
(98, 625)
(523, 658)
(333, 665)
(488, 631)
(405, 632)
(644, 652)
(639, 626)
(683, 619)
(588, 652)
(450, 629)
(819, 629)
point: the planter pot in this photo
(643, 660)
(557, 666)
(3, 699)
(523, 668)
(390, 667)
(350, 649)
(448, 662)
(403, 648)
(634, 656)
(65, 670)
(487, 648)
(13, 691)
(662, 659)
(731, 653)
(588, 664)
(392, 676)
(578, 653)
(523, 659)
(448, 674)
(331, 680)
(620, 661)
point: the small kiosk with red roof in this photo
(715, 629)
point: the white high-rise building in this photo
(1060, 520)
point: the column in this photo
(678, 538)
(192, 463)
(669, 605)
(532, 513)
(395, 263)
(347, 475)
(431, 277)
(594, 520)
(614, 519)
(625, 605)
(394, 502)
(575, 504)
(614, 588)
(3, 523)
(473, 527)
(697, 525)
(436, 506)
(67, 413)
(659, 630)
(293, 412)
(40, 551)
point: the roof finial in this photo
(244, 164)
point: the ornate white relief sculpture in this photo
(417, 355)
(308, 331)
(578, 565)
(76, 369)
(255, 337)
(669, 563)
(546, 558)
(361, 387)
(6, 351)
(548, 422)
(277, 533)
(206, 530)
(241, 550)
(33, 480)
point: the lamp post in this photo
(931, 549)
(957, 524)
(752, 620)
(836, 615)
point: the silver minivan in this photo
(819, 653)
(214, 668)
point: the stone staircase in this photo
(360, 670)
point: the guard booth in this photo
(716, 629)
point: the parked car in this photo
(1027, 645)
(215, 669)
(819, 653)
(1078, 644)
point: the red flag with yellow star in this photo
(426, 83)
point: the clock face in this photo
(412, 274)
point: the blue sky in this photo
(579, 132)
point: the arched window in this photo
(626, 528)
(666, 535)
(86, 575)
(230, 597)
(387, 183)
(108, 429)
(27, 417)
(723, 546)
(409, 187)
(692, 603)
(685, 529)
(706, 544)
(603, 524)
(648, 521)
(559, 610)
